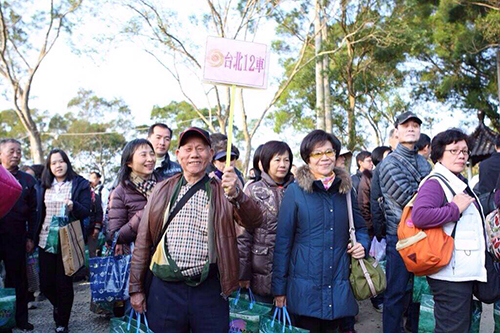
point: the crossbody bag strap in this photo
(414, 172)
(196, 187)
(352, 230)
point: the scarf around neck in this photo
(327, 181)
(145, 187)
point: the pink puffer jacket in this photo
(10, 190)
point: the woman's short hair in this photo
(127, 156)
(440, 141)
(48, 176)
(270, 149)
(255, 162)
(378, 154)
(315, 137)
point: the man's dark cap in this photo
(194, 131)
(405, 116)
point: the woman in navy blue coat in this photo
(312, 253)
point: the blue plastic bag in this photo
(7, 308)
(130, 325)
(244, 315)
(109, 276)
(279, 323)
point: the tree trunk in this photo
(24, 114)
(320, 113)
(326, 81)
(35, 146)
(351, 122)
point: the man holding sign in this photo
(185, 261)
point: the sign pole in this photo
(230, 127)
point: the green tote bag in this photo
(367, 277)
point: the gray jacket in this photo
(400, 173)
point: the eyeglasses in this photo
(458, 151)
(327, 153)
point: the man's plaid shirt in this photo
(187, 235)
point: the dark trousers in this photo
(317, 325)
(452, 305)
(13, 254)
(397, 295)
(346, 324)
(56, 286)
(178, 308)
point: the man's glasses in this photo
(465, 152)
(328, 153)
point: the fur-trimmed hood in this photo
(305, 179)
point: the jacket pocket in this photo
(260, 261)
(260, 250)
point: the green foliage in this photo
(92, 132)
(370, 39)
(459, 55)
(11, 127)
(180, 115)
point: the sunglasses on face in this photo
(318, 154)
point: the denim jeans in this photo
(397, 295)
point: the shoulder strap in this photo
(352, 230)
(414, 172)
(199, 185)
(445, 181)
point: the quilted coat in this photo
(398, 183)
(256, 247)
(124, 212)
(311, 264)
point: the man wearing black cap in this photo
(185, 261)
(219, 145)
(400, 174)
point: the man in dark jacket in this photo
(489, 170)
(160, 135)
(17, 230)
(364, 162)
(400, 174)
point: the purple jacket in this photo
(428, 210)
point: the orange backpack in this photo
(424, 251)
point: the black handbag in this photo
(487, 202)
(488, 292)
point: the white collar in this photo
(456, 183)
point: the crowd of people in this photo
(197, 230)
